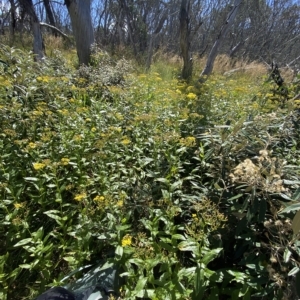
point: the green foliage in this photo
(192, 188)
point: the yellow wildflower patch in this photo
(18, 205)
(32, 145)
(189, 141)
(38, 166)
(191, 96)
(80, 197)
(120, 203)
(99, 198)
(65, 161)
(127, 240)
(125, 141)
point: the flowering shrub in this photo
(182, 183)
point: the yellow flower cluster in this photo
(125, 141)
(38, 166)
(127, 240)
(189, 141)
(80, 197)
(32, 145)
(65, 161)
(99, 198)
(18, 205)
(120, 203)
(191, 96)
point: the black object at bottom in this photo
(56, 293)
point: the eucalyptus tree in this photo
(80, 15)
(38, 45)
(222, 34)
(49, 14)
(185, 31)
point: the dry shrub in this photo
(53, 42)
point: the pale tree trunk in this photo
(152, 40)
(80, 14)
(185, 30)
(224, 30)
(38, 45)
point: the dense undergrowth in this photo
(179, 184)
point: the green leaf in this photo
(174, 186)
(163, 180)
(211, 255)
(238, 276)
(296, 223)
(137, 261)
(286, 255)
(53, 214)
(23, 242)
(292, 207)
(199, 282)
(294, 271)
(292, 182)
(235, 197)
(296, 195)
(140, 284)
(31, 178)
(119, 252)
(178, 237)
(25, 266)
(186, 272)
(188, 246)
(51, 185)
(69, 259)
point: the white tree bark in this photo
(224, 30)
(80, 14)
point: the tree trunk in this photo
(80, 14)
(13, 22)
(185, 31)
(49, 15)
(38, 45)
(224, 30)
(153, 38)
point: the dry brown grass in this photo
(223, 65)
(226, 66)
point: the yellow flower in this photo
(191, 96)
(126, 141)
(18, 205)
(126, 241)
(189, 141)
(77, 138)
(38, 166)
(32, 145)
(120, 203)
(80, 197)
(65, 161)
(88, 120)
(99, 198)
(94, 129)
